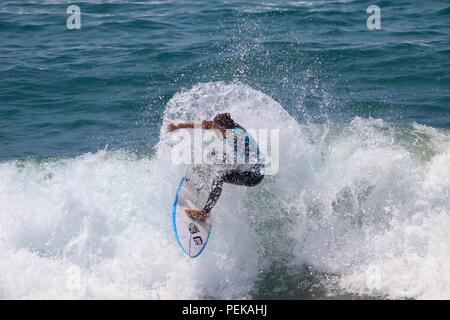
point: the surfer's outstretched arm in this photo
(206, 124)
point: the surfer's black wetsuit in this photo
(244, 175)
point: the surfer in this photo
(247, 174)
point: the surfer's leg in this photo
(216, 190)
(240, 177)
(247, 177)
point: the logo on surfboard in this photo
(198, 240)
(193, 228)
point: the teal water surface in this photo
(359, 208)
(66, 92)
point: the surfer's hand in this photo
(171, 127)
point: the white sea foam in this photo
(367, 201)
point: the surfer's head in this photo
(224, 120)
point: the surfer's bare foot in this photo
(196, 214)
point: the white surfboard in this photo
(192, 192)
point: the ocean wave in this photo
(364, 203)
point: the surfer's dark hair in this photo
(224, 120)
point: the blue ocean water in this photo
(80, 120)
(67, 92)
